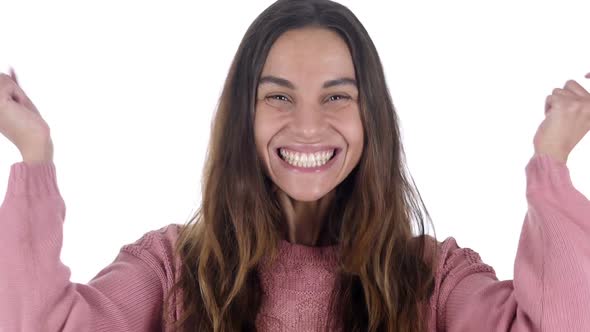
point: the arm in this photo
(35, 291)
(551, 286)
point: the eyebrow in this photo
(269, 79)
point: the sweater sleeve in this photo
(551, 286)
(35, 291)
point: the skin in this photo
(310, 114)
(567, 120)
(307, 58)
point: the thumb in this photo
(587, 75)
(20, 96)
(13, 75)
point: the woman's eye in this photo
(285, 99)
(278, 98)
(338, 97)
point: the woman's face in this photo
(307, 125)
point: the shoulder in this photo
(454, 260)
(451, 258)
(158, 241)
(455, 264)
(156, 248)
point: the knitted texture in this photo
(550, 290)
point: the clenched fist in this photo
(21, 122)
(567, 120)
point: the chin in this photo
(306, 196)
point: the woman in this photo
(308, 221)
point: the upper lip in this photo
(308, 148)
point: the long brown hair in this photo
(384, 278)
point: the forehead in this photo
(309, 52)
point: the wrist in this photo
(556, 155)
(42, 153)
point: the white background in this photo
(129, 87)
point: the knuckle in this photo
(578, 105)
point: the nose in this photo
(308, 122)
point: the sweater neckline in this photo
(319, 254)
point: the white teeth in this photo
(306, 160)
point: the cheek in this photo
(352, 129)
(259, 139)
(263, 132)
(358, 132)
(355, 138)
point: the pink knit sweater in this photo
(550, 290)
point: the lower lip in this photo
(310, 169)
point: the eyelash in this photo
(342, 97)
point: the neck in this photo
(305, 221)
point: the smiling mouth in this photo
(307, 160)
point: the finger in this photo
(576, 88)
(16, 93)
(8, 87)
(553, 101)
(562, 92)
(13, 75)
(548, 104)
(587, 75)
(24, 99)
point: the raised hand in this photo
(567, 120)
(21, 122)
